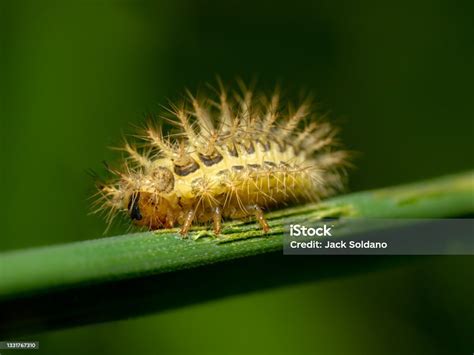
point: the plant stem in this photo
(104, 265)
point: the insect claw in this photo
(187, 223)
(217, 217)
(260, 218)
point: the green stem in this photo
(99, 265)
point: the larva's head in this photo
(144, 196)
(147, 198)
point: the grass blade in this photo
(117, 277)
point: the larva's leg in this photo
(187, 223)
(217, 218)
(169, 220)
(260, 218)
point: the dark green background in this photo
(396, 76)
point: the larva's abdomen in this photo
(266, 176)
(241, 158)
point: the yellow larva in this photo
(234, 157)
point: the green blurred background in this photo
(396, 76)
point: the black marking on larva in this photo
(284, 165)
(210, 160)
(186, 169)
(296, 149)
(238, 168)
(265, 145)
(254, 166)
(250, 148)
(232, 149)
(133, 207)
(223, 172)
(281, 146)
(269, 164)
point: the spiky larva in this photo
(234, 157)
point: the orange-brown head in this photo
(147, 201)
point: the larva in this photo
(234, 157)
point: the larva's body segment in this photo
(229, 162)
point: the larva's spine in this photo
(230, 159)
